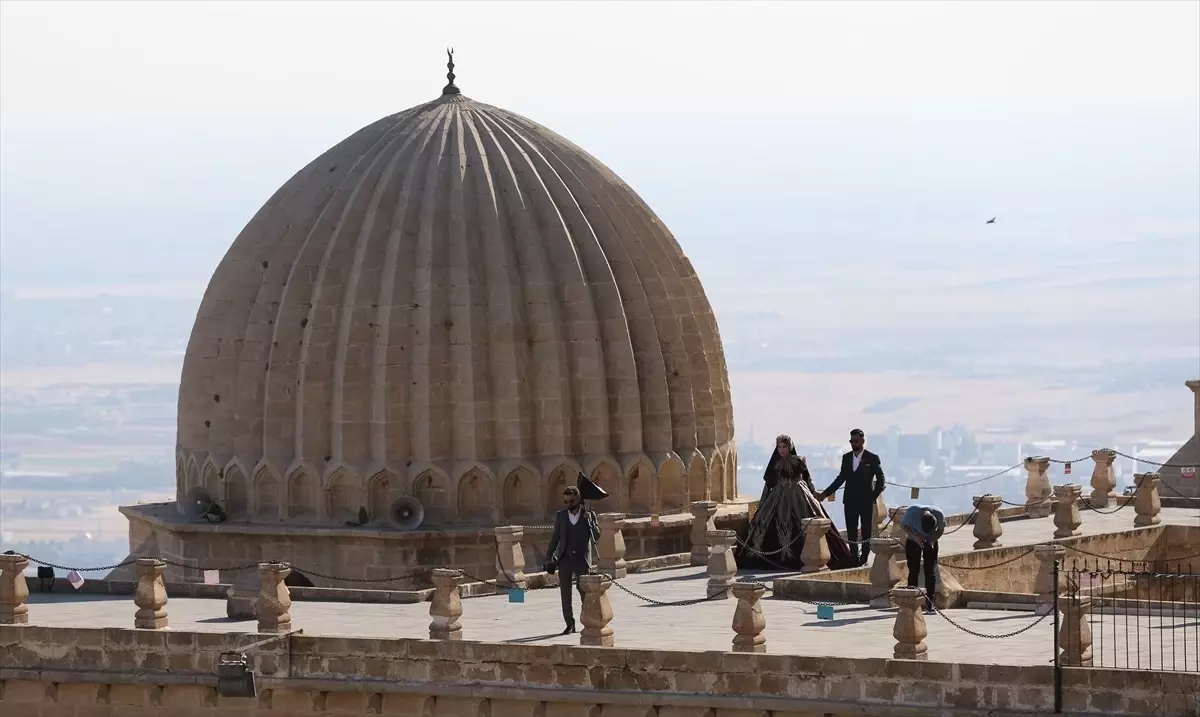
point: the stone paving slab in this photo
(792, 627)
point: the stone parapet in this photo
(106, 667)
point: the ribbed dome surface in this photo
(458, 304)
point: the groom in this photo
(864, 481)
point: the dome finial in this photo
(450, 88)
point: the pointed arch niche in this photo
(432, 490)
(475, 497)
(520, 499)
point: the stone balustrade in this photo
(815, 556)
(749, 621)
(274, 603)
(885, 570)
(987, 530)
(1104, 481)
(1066, 510)
(910, 630)
(1146, 502)
(896, 532)
(445, 607)
(1075, 632)
(703, 512)
(610, 550)
(151, 595)
(510, 557)
(1043, 584)
(597, 612)
(14, 591)
(1037, 487)
(722, 567)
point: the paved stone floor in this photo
(792, 627)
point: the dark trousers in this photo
(568, 575)
(916, 554)
(860, 515)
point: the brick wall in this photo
(84, 672)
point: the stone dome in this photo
(458, 304)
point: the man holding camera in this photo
(576, 532)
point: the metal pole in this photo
(1058, 686)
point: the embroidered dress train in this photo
(776, 539)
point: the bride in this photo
(775, 538)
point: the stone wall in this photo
(86, 672)
(1004, 571)
(373, 553)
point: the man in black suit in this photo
(571, 545)
(864, 481)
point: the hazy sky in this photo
(137, 138)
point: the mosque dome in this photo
(457, 304)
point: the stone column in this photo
(1037, 487)
(446, 606)
(1075, 634)
(748, 618)
(14, 591)
(815, 555)
(1146, 502)
(987, 530)
(510, 557)
(1043, 584)
(151, 595)
(881, 515)
(722, 567)
(611, 548)
(1066, 511)
(596, 613)
(896, 532)
(702, 522)
(1104, 483)
(885, 570)
(274, 599)
(910, 630)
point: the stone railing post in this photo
(596, 613)
(722, 566)
(815, 556)
(274, 603)
(1043, 584)
(1104, 483)
(885, 570)
(987, 530)
(510, 557)
(881, 515)
(446, 606)
(910, 630)
(896, 532)
(703, 512)
(1037, 487)
(611, 549)
(1066, 511)
(1146, 502)
(1075, 634)
(14, 591)
(151, 595)
(748, 618)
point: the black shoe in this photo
(570, 629)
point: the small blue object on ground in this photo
(824, 612)
(516, 595)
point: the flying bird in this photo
(991, 221)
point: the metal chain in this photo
(976, 633)
(959, 485)
(985, 567)
(1087, 503)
